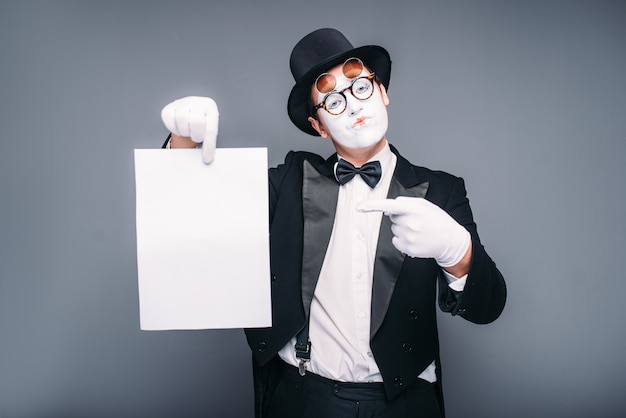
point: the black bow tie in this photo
(369, 172)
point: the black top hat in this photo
(318, 52)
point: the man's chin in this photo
(356, 146)
(362, 144)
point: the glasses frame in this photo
(322, 104)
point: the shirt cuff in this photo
(455, 283)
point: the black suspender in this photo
(303, 348)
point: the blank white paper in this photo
(202, 239)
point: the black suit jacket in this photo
(303, 197)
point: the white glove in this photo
(422, 229)
(195, 117)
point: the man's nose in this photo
(353, 105)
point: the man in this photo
(353, 291)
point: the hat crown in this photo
(317, 47)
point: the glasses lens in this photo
(325, 83)
(335, 103)
(352, 68)
(362, 88)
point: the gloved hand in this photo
(422, 229)
(195, 117)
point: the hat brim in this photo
(374, 57)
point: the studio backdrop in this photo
(526, 100)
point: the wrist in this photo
(177, 141)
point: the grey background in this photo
(524, 99)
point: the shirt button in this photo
(369, 354)
(361, 314)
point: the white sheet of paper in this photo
(202, 239)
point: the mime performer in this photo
(359, 244)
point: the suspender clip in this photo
(302, 367)
(303, 352)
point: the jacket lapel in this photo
(319, 202)
(388, 262)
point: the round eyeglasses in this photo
(335, 102)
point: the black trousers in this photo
(312, 396)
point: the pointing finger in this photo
(208, 152)
(387, 206)
(211, 123)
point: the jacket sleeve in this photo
(484, 295)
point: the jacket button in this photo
(407, 347)
(461, 311)
(414, 314)
(261, 346)
(397, 381)
(274, 277)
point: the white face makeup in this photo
(363, 123)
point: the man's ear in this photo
(383, 94)
(318, 127)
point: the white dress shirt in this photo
(339, 328)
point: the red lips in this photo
(360, 121)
